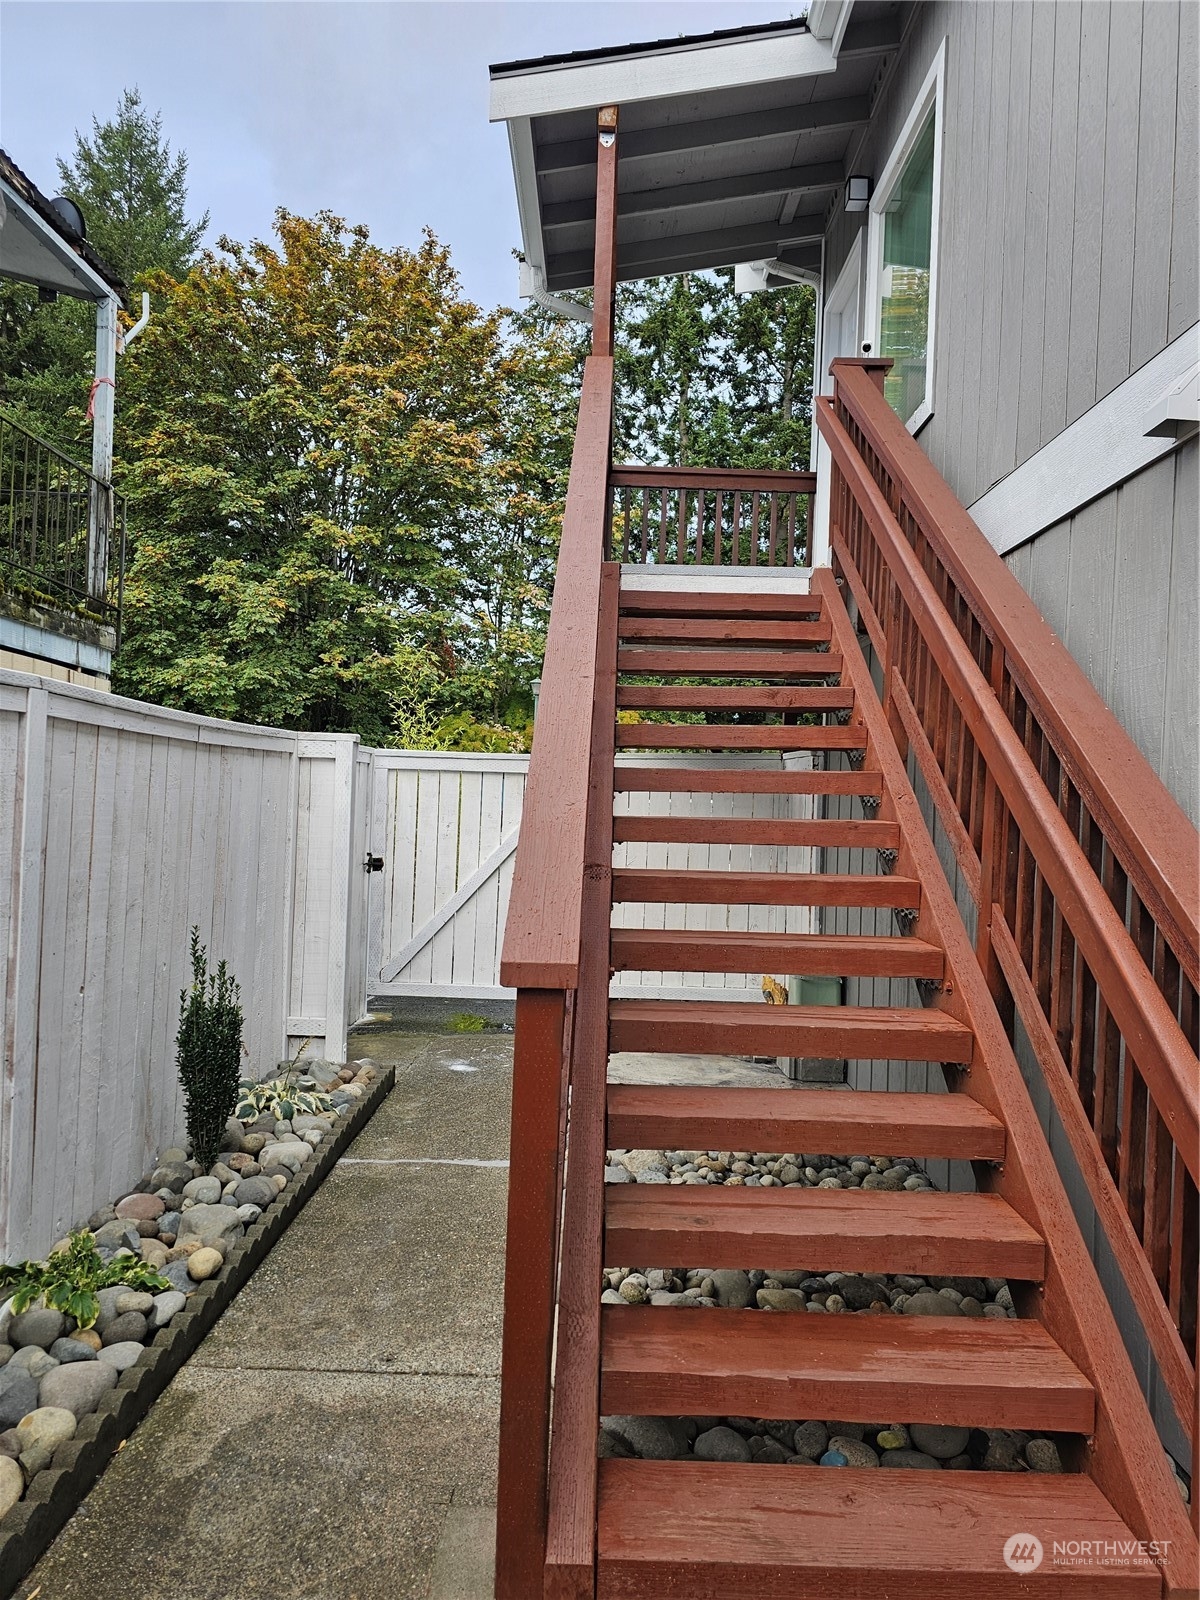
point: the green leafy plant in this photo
(208, 1049)
(281, 1098)
(467, 1022)
(69, 1280)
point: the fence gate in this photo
(446, 826)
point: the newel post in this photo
(605, 276)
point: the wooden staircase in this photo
(776, 671)
(665, 1527)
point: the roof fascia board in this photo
(91, 286)
(827, 20)
(660, 74)
(524, 164)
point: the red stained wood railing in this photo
(543, 954)
(1082, 865)
(710, 516)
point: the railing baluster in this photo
(718, 528)
(45, 499)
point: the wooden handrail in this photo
(1163, 1054)
(1081, 865)
(1136, 811)
(542, 936)
(635, 477)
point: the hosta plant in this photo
(281, 1098)
(70, 1279)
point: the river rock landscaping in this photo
(928, 1446)
(178, 1225)
(806, 1442)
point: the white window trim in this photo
(930, 96)
(846, 293)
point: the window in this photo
(903, 252)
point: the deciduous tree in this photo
(328, 451)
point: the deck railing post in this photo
(605, 275)
(531, 1259)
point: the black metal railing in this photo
(50, 507)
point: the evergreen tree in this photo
(133, 193)
(707, 377)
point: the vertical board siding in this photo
(1068, 259)
(1068, 248)
(1118, 582)
(125, 827)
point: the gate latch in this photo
(372, 863)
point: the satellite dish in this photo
(70, 213)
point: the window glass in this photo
(905, 278)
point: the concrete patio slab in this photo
(334, 1438)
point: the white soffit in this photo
(1098, 451)
(692, 69)
(31, 251)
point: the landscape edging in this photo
(55, 1495)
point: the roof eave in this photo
(659, 74)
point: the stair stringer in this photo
(1124, 1455)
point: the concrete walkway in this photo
(334, 1437)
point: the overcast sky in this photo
(374, 110)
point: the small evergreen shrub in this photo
(208, 1050)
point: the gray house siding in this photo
(1069, 231)
(1118, 581)
(1069, 246)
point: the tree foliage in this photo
(133, 193)
(342, 491)
(708, 377)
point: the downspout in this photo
(102, 410)
(533, 287)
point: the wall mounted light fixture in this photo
(858, 192)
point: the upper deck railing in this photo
(47, 507)
(1084, 869)
(710, 516)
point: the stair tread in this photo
(728, 630)
(738, 1027)
(683, 1117)
(813, 954)
(820, 1230)
(734, 697)
(719, 603)
(632, 779)
(831, 833)
(966, 1372)
(730, 736)
(715, 662)
(731, 1530)
(766, 888)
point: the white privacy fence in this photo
(123, 825)
(446, 826)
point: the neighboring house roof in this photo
(37, 245)
(731, 144)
